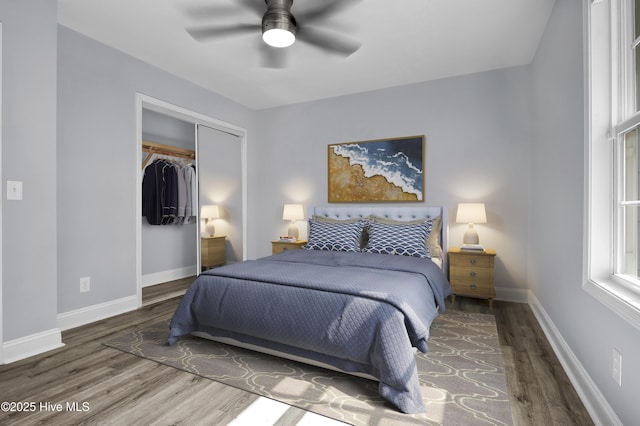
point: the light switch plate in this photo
(14, 190)
(617, 367)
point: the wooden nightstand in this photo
(213, 251)
(280, 246)
(471, 274)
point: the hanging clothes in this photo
(153, 193)
(166, 195)
(191, 211)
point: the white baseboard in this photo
(596, 404)
(512, 295)
(170, 275)
(72, 319)
(34, 344)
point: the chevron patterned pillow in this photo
(400, 239)
(334, 236)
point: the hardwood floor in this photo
(159, 292)
(539, 389)
(108, 386)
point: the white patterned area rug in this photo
(461, 377)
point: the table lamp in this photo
(293, 212)
(471, 213)
(209, 213)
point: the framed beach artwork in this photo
(383, 170)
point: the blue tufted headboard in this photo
(391, 212)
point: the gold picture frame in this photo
(381, 170)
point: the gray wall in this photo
(162, 128)
(29, 252)
(97, 168)
(556, 220)
(478, 148)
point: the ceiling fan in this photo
(280, 29)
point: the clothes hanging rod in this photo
(158, 148)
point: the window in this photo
(626, 124)
(628, 205)
(612, 243)
(634, 52)
(626, 143)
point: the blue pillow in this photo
(331, 236)
(400, 239)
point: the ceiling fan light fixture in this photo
(278, 24)
(278, 37)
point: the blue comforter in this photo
(360, 312)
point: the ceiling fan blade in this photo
(257, 6)
(223, 11)
(273, 57)
(208, 12)
(211, 32)
(334, 43)
(323, 12)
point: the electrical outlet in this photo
(14, 190)
(617, 367)
(85, 284)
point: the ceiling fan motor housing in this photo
(278, 16)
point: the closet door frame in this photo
(166, 108)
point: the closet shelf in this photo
(158, 148)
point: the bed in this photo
(359, 297)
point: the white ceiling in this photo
(403, 42)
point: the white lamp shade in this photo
(210, 212)
(292, 212)
(471, 213)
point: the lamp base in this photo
(293, 231)
(470, 236)
(470, 240)
(210, 229)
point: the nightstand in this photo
(471, 274)
(280, 246)
(213, 251)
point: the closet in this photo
(169, 240)
(174, 249)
